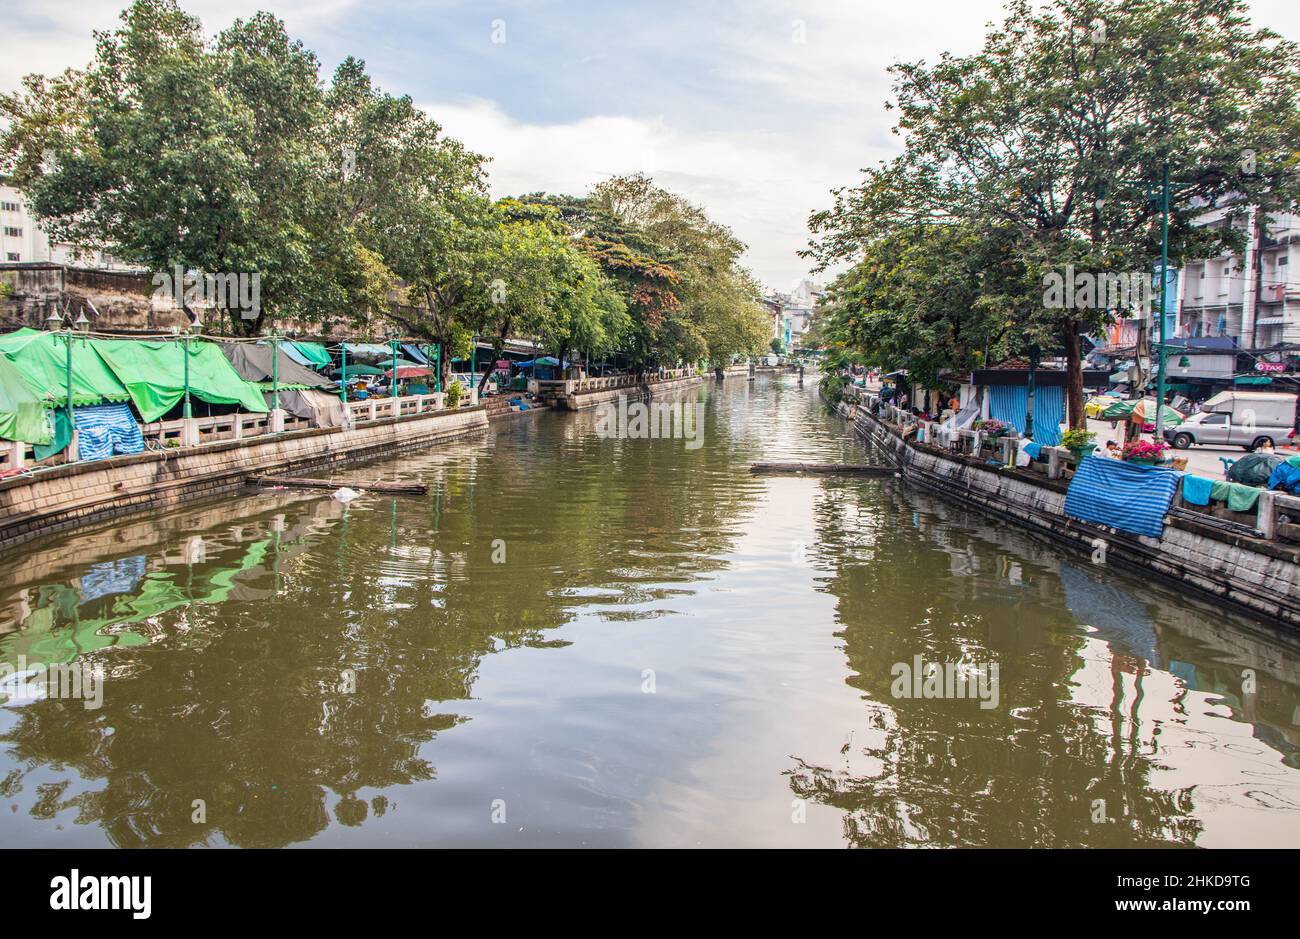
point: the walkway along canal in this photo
(582, 640)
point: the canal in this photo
(574, 640)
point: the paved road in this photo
(1203, 460)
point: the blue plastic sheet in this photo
(106, 430)
(1131, 497)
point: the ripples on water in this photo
(670, 652)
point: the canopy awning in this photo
(22, 415)
(255, 362)
(154, 372)
(42, 360)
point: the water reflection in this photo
(385, 672)
(1121, 699)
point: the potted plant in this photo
(992, 428)
(455, 391)
(1144, 451)
(1078, 442)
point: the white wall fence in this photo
(572, 385)
(197, 431)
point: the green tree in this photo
(1037, 140)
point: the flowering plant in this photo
(1077, 439)
(1144, 450)
(992, 427)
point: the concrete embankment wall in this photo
(580, 400)
(67, 496)
(1256, 576)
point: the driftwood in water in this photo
(846, 469)
(417, 489)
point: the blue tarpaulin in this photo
(1131, 497)
(1008, 403)
(415, 353)
(105, 430)
(289, 349)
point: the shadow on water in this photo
(383, 672)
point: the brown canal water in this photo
(670, 652)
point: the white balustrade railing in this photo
(196, 431)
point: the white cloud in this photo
(761, 183)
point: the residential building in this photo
(22, 240)
(1252, 298)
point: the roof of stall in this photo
(42, 360)
(154, 372)
(255, 362)
(22, 415)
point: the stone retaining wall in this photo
(580, 400)
(63, 497)
(1256, 576)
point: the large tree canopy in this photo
(1046, 144)
(230, 155)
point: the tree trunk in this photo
(1074, 377)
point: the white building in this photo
(23, 240)
(1254, 299)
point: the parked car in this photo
(1244, 418)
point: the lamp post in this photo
(344, 346)
(1161, 194)
(195, 328)
(275, 370)
(392, 345)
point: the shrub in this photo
(455, 391)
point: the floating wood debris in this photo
(300, 482)
(827, 469)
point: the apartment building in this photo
(1253, 298)
(22, 240)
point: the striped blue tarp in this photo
(1008, 403)
(1129, 496)
(105, 430)
(415, 353)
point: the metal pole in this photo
(185, 352)
(437, 383)
(72, 419)
(344, 347)
(1029, 393)
(392, 390)
(275, 372)
(1164, 290)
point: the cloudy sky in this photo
(754, 109)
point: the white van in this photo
(1245, 418)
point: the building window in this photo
(10, 207)
(13, 232)
(10, 256)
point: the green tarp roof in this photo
(22, 415)
(314, 352)
(42, 360)
(154, 373)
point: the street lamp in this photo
(196, 327)
(1161, 194)
(275, 369)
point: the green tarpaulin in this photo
(22, 415)
(42, 360)
(154, 374)
(314, 352)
